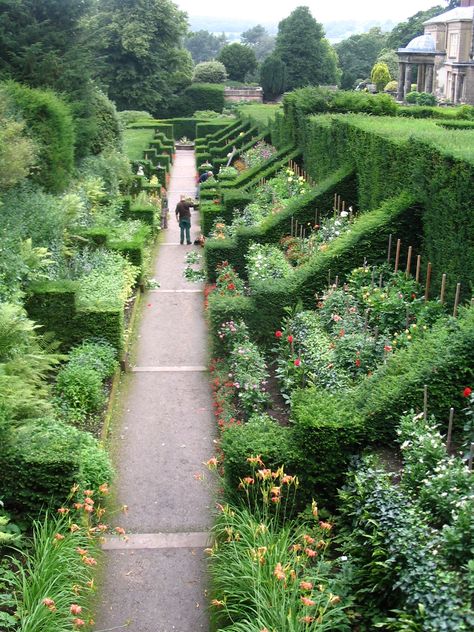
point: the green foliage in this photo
(380, 75)
(209, 72)
(141, 40)
(266, 570)
(258, 38)
(357, 54)
(404, 32)
(17, 151)
(49, 569)
(205, 96)
(49, 121)
(398, 558)
(238, 59)
(42, 460)
(80, 388)
(261, 435)
(136, 141)
(97, 355)
(301, 47)
(273, 77)
(421, 98)
(108, 132)
(204, 46)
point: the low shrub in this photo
(97, 355)
(80, 387)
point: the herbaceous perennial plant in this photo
(270, 572)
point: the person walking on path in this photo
(183, 217)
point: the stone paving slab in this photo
(172, 330)
(167, 434)
(161, 590)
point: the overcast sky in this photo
(322, 10)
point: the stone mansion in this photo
(443, 57)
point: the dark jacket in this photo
(182, 210)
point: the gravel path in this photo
(156, 580)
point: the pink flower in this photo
(278, 334)
(78, 622)
(75, 609)
(307, 602)
(467, 391)
(297, 362)
(49, 603)
(306, 585)
(290, 338)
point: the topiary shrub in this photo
(41, 461)
(205, 96)
(108, 133)
(209, 72)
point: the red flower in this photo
(278, 334)
(297, 362)
(467, 391)
(290, 338)
(230, 286)
(358, 363)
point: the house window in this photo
(453, 48)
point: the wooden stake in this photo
(380, 280)
(450, 429)
(397, 254)
(443, 289)
(343, 206)
(301, 230)
(456, 299)
(425, 402)
(418, 268)
(372, 280)
(337, 280)
(471, 457)
(329, 277)
(335, 202)
(428, 281)
(292, 225)
(338, 203)
(389, 249)
(407, 272)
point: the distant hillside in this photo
(335, 31)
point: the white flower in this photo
(344, 213)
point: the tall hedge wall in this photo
(50, 123)
(390, 155)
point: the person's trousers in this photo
(185, 225)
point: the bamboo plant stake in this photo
(292, 219)
(389, 249)
(418, 268)
(425, 402)
(397, 255)
(443, 289)
(456, 299)
(471, 457)
(407, 271)
(428, 281)
(450, 429)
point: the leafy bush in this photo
(132, 116)
(209, 72)
(205, 96)
(97, 355)
(80, 387)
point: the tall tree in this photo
(238, 60)
(140, 43)
(204, 46)
(273, 77)
(357, 54)
(260, 40)
(43, 44)
(300, 46)
(404, 32)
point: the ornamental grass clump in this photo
(270, 572)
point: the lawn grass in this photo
(135, 141)
(259, 114)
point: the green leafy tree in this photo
(210, 72)
(238, 60)
(389, 57)
(300, 45)
(357, 54)
(273, 77)
(144, 63)
(404, 32)
(380, 75)
(204, 46)
(260, 40)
